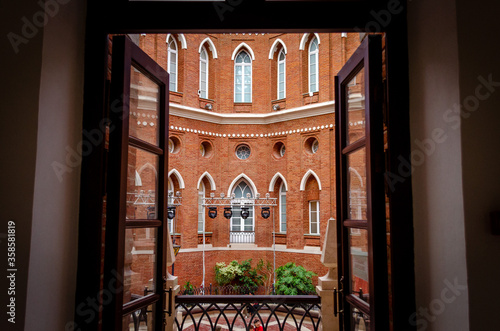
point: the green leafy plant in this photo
(292, 279)
(242, 274)
(225, 274)
(250, 277)
(188, 288)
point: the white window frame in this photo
(243, 65)
(171, 53)
(284, 74)
(311, 216)
(282, 193)
(201, 208)
(251, 209)
(170, 222)
(316, 55)
(204, 89)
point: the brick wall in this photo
(221, 140)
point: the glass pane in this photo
(140, 320)
(144, 106)
(283, 213)
(356, 184)
(249, 221)
(313, 206)
(314, 228)
(236, 220)
(355, 107)
(359, 321)
(142, 184)
(140, 263)
(358, 243)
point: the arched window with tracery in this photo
(242, 230)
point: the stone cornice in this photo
(261, 118)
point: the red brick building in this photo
(249, 113)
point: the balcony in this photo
(242, 237)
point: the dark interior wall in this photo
(21, 69)
(479, 55)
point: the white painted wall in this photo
(53, 255)
(440, 250)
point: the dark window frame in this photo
(122, 16)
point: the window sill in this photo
(309, 98)
(312, 239)
(208, 238)
(242, 107)
(175, 97)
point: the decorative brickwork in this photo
(206, 131)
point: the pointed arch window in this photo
(170, 222)
(282, 207)
(243, 77)
(201, 208)
(203, 73)
(282, 74)
(313, 65)
(242, 230)
(172, 63)
(314, 217)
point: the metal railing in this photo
(242, 237)
(237, 312)
(229, 290)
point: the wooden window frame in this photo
(123, 16)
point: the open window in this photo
(360, 190)
(136, 220)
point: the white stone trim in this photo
(314, 250)
(303, 41)
(177, 174)
(274, 46)
(210, 180)
(274, 179)
(259, 118)
(181, 38)
(306, 177)
(211, 46)
(239, 47)
(237, 179)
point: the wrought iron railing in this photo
(237, 312)
(229, 290)
(242, 237)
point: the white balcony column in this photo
(172, 282)
(329, 282)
